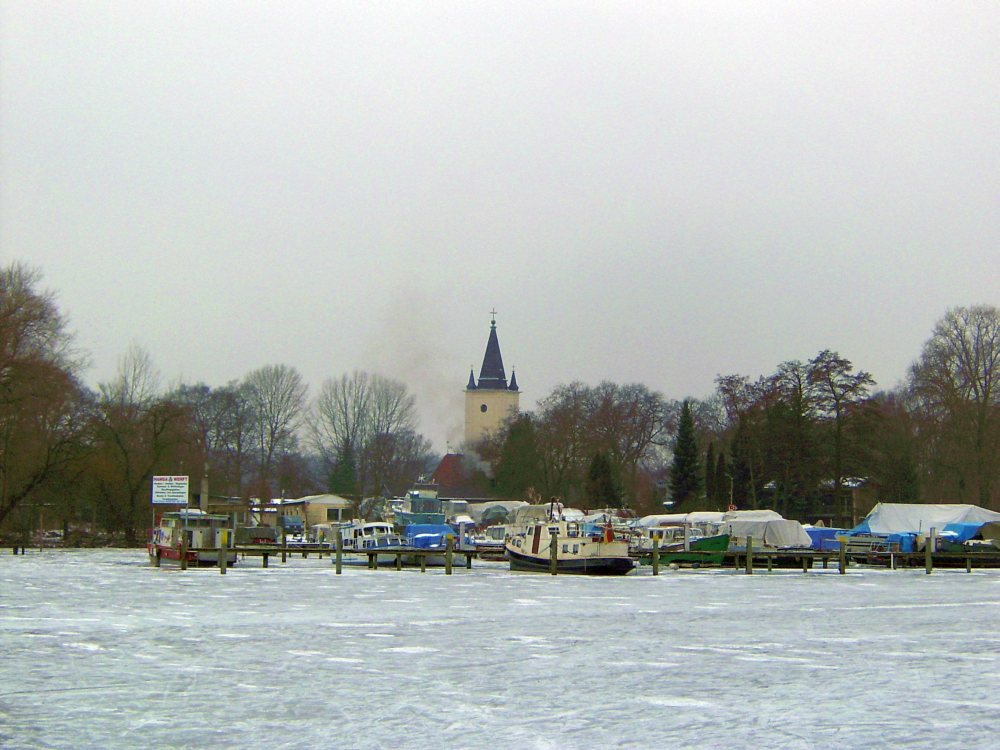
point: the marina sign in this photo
(170, 490)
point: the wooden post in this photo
(770, 562)
(447, 555)
(399, 561)
(843, 556)
(156, 557)
(338, 554)
(263, 560)
(284, 547)
(806, 563)
(184, 553)
(929, 551)
(468, 561)
(423, 563)
(968, 565)
(554, 553)
(223, 550)
(656, 557)
(749, 560)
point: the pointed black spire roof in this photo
(491, 375)
(472, 381)
(513, 381)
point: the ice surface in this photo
(99, 650)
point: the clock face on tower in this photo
(482, 407)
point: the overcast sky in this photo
(657, 192)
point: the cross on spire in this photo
(493, 313)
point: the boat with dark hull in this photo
(580, 548)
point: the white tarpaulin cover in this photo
(773, 532)
(752, 515)
(679, 519)
(920, 518)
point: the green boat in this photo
(706, 550)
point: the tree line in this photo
(79, 454)
(796, 440)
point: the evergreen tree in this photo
(721, 483)
(344, 476)
(685, 469)
(603, 490)
(519, 466)
(710, 489)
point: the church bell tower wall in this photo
(486, 410)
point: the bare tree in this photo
(371, 419)
(743, 402)
(628, 421)
(137, 433)
(838, 390)
(956, 382)
(137, 382)
(40, 398)
(278, 396)
(339, 419)
(223, 420)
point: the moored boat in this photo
(706, 550)
(431, 536)
(359, 538)
(489, 543)
(580, 548)
(191, 533)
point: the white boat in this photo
(360, 537)
(580, 548)
(199, 533)
(489, 543)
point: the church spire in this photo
(492, 375)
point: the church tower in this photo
(490, 401)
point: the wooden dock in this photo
(749, 560)
(420, 554)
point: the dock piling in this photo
(843, 556)
(223, 550)
(447, 556)
(339, 552)
(554, 552)
(749, 560)
(929, 545)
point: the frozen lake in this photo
(100, 650)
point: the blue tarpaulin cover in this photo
(428, 535)
(824, 538)
(961, 532)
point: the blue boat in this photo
(431, 536)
